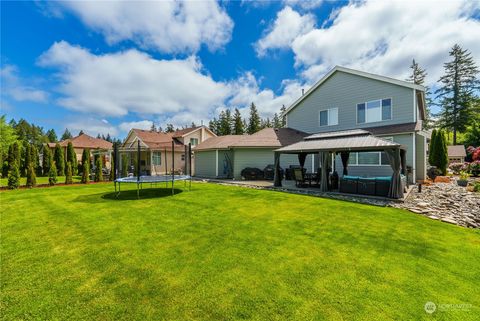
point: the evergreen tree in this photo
(31, 177)
(7, 138)
(52, 174)
(51, 137)
(72, 158)
(86, 160)
(14, 176)
(98, 170)
(108, 138)
(13, 157)
(225, 123)
(80, 132)
(254, 120)
(124, 166)
(283, 113)
(418, 76)
(153, 128)
(238, 128)
(66, 134)
(98, 136)
(276, 121)
(47, 160)
(59, 160)
(472, 134)
(68, 174)
(441, 153)
(26, 159)
(35, 160)
(112, 168)
(213, 125)
(86, 172)
(458, 86)
(192, 125)
(431, 149)
(169, 128)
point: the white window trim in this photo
(328, 117)
(390, 138)
(373, 122)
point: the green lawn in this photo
(224, 253)
(40, 180)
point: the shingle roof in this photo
(156, 140)
(181, 132)
(268, 137)
(85, 141)
(456, 151)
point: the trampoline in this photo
(153, 180)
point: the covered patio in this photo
(344, 143)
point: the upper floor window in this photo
(374, 111)
(329, 117)
(194, 141)
(157, 158)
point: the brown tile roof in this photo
(268, 137)
(85, 141)
(156, 140)
(456, 151)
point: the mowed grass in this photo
(40, 180)
(227, 253)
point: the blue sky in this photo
(105, 67)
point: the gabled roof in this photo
(358, 73)
(155, 140)
(183, 132)
(456, 151)
(267, 137)
(85, 141)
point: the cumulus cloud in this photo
(131, 81)
(383, 37)
(16, 88)
(287, 26)
(304, 4)
(142, 124)
(92, 126)
(167, 26)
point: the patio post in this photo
(323, 157)
(345, 156)
(396, 190)
(277, 180)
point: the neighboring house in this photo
(156, 154)
(83, 141)
(346, 99)
(227, 156)
(456, 154)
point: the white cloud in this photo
(304, 4)
(384, 36)
(14, 87)
(288, 25)
(131, 81)
(167, 26)
(92, 126)
(142, 124)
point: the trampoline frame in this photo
(139, 179)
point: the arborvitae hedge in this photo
(31, 177)
(431, 150)
(47, 160)
(52, 174)
(441, 152)
(14, 177)
(85, 171)
(59, 160)
(98, 170)
(27, 160)
(112, 168)
(85, 159)
(72, 158)
(68, 175)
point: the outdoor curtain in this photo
(396, 190)
(277, 180)
(301, 159)
(345, 156)
(323, 158)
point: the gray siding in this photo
(421, 157)
(382, 170)
(205, 164)
(260, 158)
(344, 91)
(225, 163)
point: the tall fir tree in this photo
(169, 128)
(283, 115)
(238, 128)
(31, 177)
(254, 120)
(417, 77)
(276, 121)
(27, 154)
(7, 137)
(153, 128)
(72, 158)
(46, 160)
(51, 136)
(68, 174)
(225, 122)
(66, 135)
(98, 170)
(59, 160)
(213, 125)
(441, 152)
(458, 87)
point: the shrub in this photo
(59, 160)
(14, 177)
(52, 174)
(47, 160)
(476, 187)
(86, 172)
(476, 154)
(456, 167)
(98, 170)
(85, 159)
(464, 176)
(433, 172)
(440, 156)
(72, 158)
(474, 168)
(431, 149)
(31, 177)
(112, 168)
(68, 175)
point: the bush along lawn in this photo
(226, 253)
(40, 180)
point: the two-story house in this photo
(157, 155)
(346, 99)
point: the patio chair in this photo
(299, 177)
